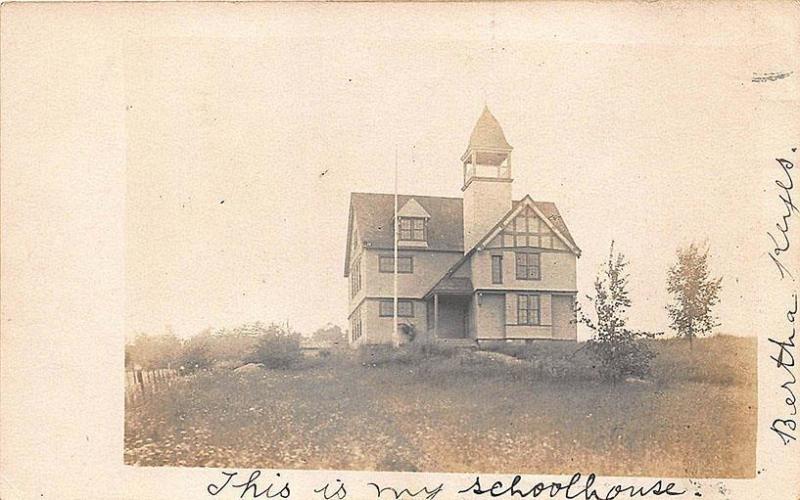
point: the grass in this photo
(438, 410)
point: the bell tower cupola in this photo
(487, 178)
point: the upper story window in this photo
(354, 241)
(528, 266)
(497, 269)
(405, 265)
(355, 277)
(412, 229)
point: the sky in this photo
(242, 150)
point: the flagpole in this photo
(395, 334)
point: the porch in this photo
(449, 307)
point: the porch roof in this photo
(452, 286)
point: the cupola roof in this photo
(488, 134)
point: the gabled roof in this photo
(553, 216)
(372, 214)
(488, 134)
(450, 285)
(412, 208)
(547, 211)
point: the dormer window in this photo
(412, 225)
(412, 229)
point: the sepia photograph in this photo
(456, 252)
(399, 250)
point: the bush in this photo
(153, 351)
(235, 347)
(196, 353)
(278, 348)
(621, 359)
(330, 334)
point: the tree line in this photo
(274, 345)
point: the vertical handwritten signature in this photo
(785, 427)
(781, 242)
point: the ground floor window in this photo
(355, 324)
(528, 310)
(405, 308)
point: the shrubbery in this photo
(152, 352)
(197, 353)
(276, 346)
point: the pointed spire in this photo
(488, 134)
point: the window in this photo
(355, 277)
(412, 229)
(528, 267)
(404, 264)
(497, 269)
(405, 308)
(355, 324)
(528, 309)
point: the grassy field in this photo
(464, 412)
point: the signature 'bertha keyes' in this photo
(480, 268)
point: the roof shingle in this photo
(373, 214)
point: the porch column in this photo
(435, 315)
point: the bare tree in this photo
(694, 293)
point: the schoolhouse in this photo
(478, 268)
